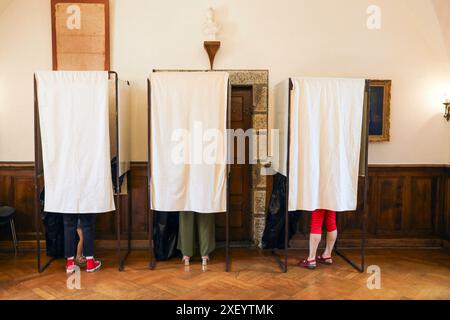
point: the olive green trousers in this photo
(195, 226)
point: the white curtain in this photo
(189, 142)
(326, 124)
(73, 115)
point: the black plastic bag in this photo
(273, 236)
(114, 174)
(165, 234)
(54, 235)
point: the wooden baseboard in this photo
(28, 245)
(378, 243)
(446, 244)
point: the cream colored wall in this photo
(25, 46)
(4, 4)
(288, 37)
(443, 13)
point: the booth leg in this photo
(40, 268)
(122, 260)
(152, 263)
(281, 262)
(227, 243)
(118, 227)
(361, 267)
(129, 213)
(128, 219)
(46, 265)
(286, 242)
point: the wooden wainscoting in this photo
(447, 207)
(408, 206)
(17, 190)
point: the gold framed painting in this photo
(380, 110)
(80, 35)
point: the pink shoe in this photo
(321, 259)
(309, 264)
(70, 266)
(93, 265)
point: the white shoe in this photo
(186, 260)
(205, 261)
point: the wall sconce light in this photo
(447, 107)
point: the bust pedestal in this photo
(211, 48)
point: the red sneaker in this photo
(70, 266)
(309, 264)
(93, 265)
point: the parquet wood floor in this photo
(405, 274)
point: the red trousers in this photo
(317, 218)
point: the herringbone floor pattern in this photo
(405, 274)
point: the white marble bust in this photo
(210, 28)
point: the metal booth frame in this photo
(364, 210)
(152, 262)
(39, 184)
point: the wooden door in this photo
(240, 189)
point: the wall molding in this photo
(431, 243)
(142, 163)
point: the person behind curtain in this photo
(318, 217)
(196, 225)
(87, 223)
(80, 260)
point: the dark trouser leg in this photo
(186, 237)
(88, 226)
(70, 234)
(206, 232)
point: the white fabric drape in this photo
(280, 124)
(326, 122)
(189, 144)
(73, 115)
